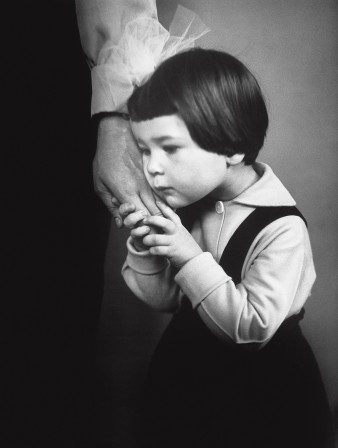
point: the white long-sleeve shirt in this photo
(277, 274)
(101, 24)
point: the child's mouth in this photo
(162, 189)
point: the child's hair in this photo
(216, 96)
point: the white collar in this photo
(267, 191)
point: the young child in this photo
(232, 368)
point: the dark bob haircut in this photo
(216, 96)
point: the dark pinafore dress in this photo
(202, 392)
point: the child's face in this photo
(177, 169)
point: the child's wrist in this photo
(182, 262)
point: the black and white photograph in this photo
(170, 247)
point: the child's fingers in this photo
(168, 212)
(140, 232)
(126, 208)
(162, 223)
(156, 239)
(133, 219)
(162, 251)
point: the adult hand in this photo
(117, 169)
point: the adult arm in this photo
(117, 169)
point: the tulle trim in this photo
(144, 44)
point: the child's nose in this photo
(154, 165)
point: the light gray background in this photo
(292, 47)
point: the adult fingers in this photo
(112, 204)
(136, 200)
(114, 210)
(126, 208)
(133, 219)
(149, 200)
(140, 232)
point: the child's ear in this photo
(235, 159)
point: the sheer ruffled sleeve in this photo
(143, 45)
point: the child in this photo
(232, 368)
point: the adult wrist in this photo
(113, 114)
(105, 121)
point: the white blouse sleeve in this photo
(151, 279)
(101, 24)
(124, 42)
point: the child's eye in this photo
(143, 151)
(170, 149)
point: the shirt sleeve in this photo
(277, 279)
(151, 279)
(101, 23)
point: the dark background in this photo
(55, 231)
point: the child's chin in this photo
(177, 203)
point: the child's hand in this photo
(175, 243)
(133, 220)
